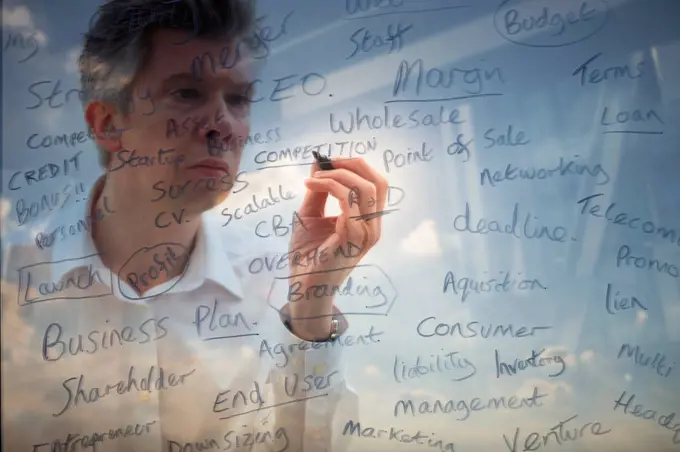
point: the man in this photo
(149, 331)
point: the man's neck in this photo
(131, 228)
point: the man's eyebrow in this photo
(188, 77)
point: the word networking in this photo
(444, 363)
(354, 428)
(286, 351)
(47, 171)
(75, 440)
(658, 363)
(559, 434)
(536, 360)
(56, 344)
(619, 217)
(467, 407)
(473, 329)
(563, 168)
(639, 411)
(277, 441)
(531, 229)
(156, 378)
(466, 286)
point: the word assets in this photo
(568, 168)
(446, 363)
(530, 229)
(622, 218)
(258, 204)
(56, 344)
(560, 435)
(614, 305)
(474, 329)
(354, 428)
(523, 364)
(468, 406)
(276, 440)
(658, 363)
(465, 286)
(364, 41)
(157, 378)
(287, 350)
(650, 415)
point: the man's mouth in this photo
(218, 167)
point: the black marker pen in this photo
(324, 161)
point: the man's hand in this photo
(316, 265)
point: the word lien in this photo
(560, 434)
(523, 364)
(466, 286)
(354, 428)
(639, 411)
(614, 304)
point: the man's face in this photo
(186, 166)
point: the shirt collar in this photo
(208, 261)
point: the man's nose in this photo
(217, 136)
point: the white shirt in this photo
(224, 371)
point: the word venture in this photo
(350, 288)
(235, 324)
(535, 440)
(73, 440)
(625, 219)
(354, 428)
(650, 415)
(658, 363)
(472, 80)
(528, 231)
(465, 286)
(358, 121)
(77, 286)
(437, 364)
(624, 257)
(513, 173)
(522, 364)
(55, 346)
(614, 305)
(468, 406)
(45, 172)
(158, 379)
(286, 350)
(258, 204)
(277, 441)
(364, 41)
(595, 76)
(445, 329)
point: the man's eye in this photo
(238, 100)
(186, 94)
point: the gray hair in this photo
(117, 45)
